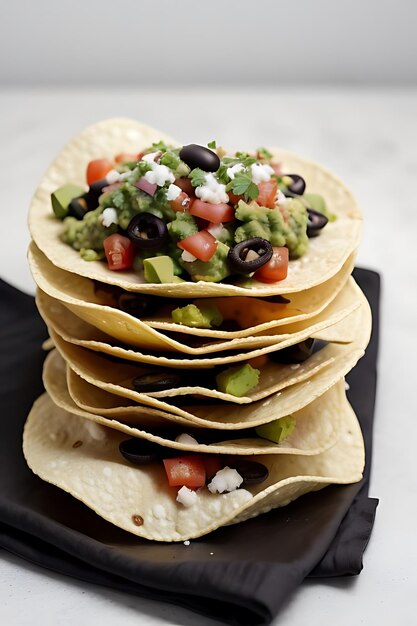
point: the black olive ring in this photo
(238, 253)
(146, 231)
(316, 221)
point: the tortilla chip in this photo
(324, 258)
(317, 425)
(219, 414)
(254, 315)
(65, 450)
(333, 325)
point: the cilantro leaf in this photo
(263, 153)
(242, 185)
(198, 177)
(170, 160)
(158, 146)
(212, 145)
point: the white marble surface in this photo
(369, 138)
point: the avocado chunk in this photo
(317, 203)
(160, 269)
(211, 271)
(278, 430)
(62, 197)
(205, 316)
(238, 380)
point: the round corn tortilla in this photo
(101, 395)
(254, 315)
(119, 325)
(335, 325)
(317, 425)
(63, 450)
(324, 258)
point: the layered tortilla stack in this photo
(302, 335)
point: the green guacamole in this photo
(224, 206)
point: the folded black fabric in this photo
(239, 574)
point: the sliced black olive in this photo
(199, 156)
(157, 381)
(147, 231)
(248, 256)
(140, 451)
(252, 472)
(297, 353)
(316, 221)
(78, 207)
(94, 192)
(297, 187)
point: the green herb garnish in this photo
(198, 177)
(242, 185)
(263, 153)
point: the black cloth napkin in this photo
(239, 574)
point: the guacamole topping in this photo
(198, 205)
(204, 316)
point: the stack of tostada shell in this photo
(130, 392)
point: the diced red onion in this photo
(146, 186)
(111, 187)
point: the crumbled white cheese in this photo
(347, 386)
(150, 158)
(226, 479)
(295, 366)
(188, 257)
(187, 497)
(235, 169)
(159, 175)
(261, 173)
(113, 177)
(280, 198)
(173, 192)
(109, 217)
(184, 438)
(212, 191)
(186, 543)
(125, 175)
(216, 230)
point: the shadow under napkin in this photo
(253, 567)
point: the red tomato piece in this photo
(267, 193)
(126, 157)
(185, 185)
(119, 252)
(202, 245)
(275, 269)
(212, 465)
(233, 198)
(185, 471)
(214, 213)
(181, 203)
(97, 169)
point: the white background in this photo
(203, 71)
(212, 42)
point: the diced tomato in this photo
(275, 269)
(188, 471)
(267, 193)
(212, 465)
(258, 361)
(215, 213)
(181, 203)
(233, 198)
(126, 157)
(97, 169)
(202, 245)
(185, 185)
(119, 252)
